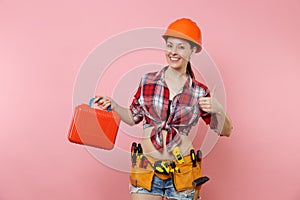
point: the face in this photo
(178, 52)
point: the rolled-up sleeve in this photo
(135, 107)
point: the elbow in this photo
(132, 123)
(129, 119)
(129, 122)
(227, 131)
(227, 128)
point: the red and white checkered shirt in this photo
(151, 102)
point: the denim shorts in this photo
(164, 188)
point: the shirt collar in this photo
(160, 76)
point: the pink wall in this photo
(255, 44)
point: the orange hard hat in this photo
(185, 29)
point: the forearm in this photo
(125, 114)
(224, 125)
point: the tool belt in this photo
(145, 167)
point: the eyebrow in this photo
(177, 43)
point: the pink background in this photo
(255, 44)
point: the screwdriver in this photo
(174, 168)
(133, 153)
(133, 146)
(193, 157)
(199, 156)
(162, 167)
(143, 162)
(139, 150)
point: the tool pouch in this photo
(183, 180)
(141, 177)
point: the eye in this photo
(181, 47)
(169, 46)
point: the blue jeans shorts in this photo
(164, 188)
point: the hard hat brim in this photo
(176, 34)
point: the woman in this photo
(170, 102)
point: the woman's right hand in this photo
(104, 102)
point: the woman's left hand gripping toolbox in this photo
(94, 127)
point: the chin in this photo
(175, 66)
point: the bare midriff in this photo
(148, 148)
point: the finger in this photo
(206, 107)
(208, 110)
(203, 105)
(103, 99)
(103, 106)
(204, 100)
(106, 104)
(107, 107)
(97, 99)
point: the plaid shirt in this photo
(151, 101)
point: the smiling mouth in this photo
(174, 58)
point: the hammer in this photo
(197, 184)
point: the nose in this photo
(174, 50)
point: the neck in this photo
(176, 73)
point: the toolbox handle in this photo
(99, 98)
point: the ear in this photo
(194, 49)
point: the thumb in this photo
(212, 93)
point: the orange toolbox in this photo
(94, 127)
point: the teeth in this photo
(174, 59)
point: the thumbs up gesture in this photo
(211, 104)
